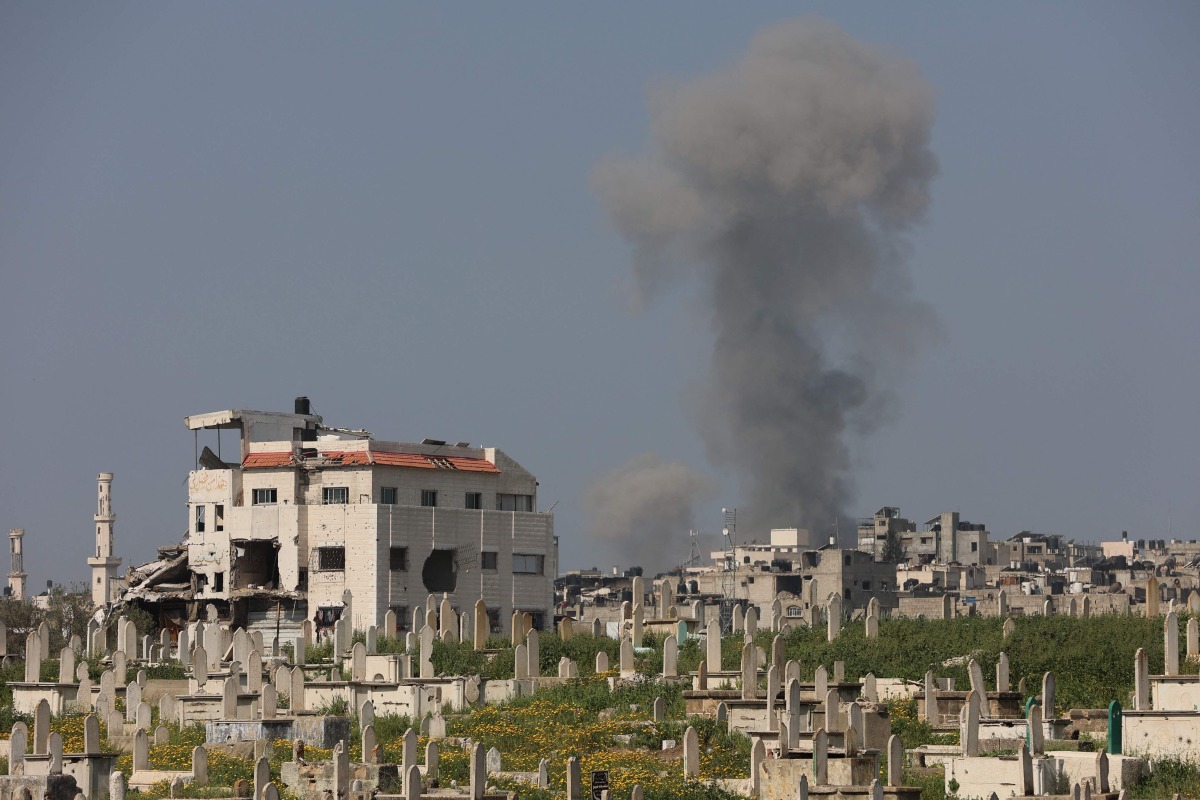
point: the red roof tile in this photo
(357, 458)
(267, 460)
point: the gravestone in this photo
(482, 626)
(627, 664)
(1171, 643)
(1049, 698)
(970, 732)
(670, 657)
(55, 747)
(712, 635)
(820, 766)
(368, 744)
(533, 654)
(1037, 736)
(41, 728)
(749, 672)
(895, 762)
(433, 759)
(493, 760)
(91, 734)
(1141, 681)
(478, 771)
(141, 751)
(427, 652)
(833, 612)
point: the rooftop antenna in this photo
(693, 559)
(728, 570)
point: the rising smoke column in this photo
(645, 509)
(787, 184)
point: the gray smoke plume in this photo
(644, 507)
(787, 183)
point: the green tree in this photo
(893, 549)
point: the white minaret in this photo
(103, 564)
(16, 576)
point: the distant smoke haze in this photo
(786, 184)
(644, 508)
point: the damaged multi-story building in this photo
(308, 511)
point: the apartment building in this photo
(309, 511)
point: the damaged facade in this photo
(309, 511)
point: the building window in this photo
(866, 586)
(265, 497)
(514, 502)
(474, 500)
(218, 581)
(494, 620)
(199, 519)
(847, 561)
(846, 594)
(335, 495)
(487, 560)
(794, 611)
(974, 547)
(398, 559)
(219, 518)
(387, 495)
(429, 498)
(331, 558)
(527, 564)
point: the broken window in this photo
(398, 559)
(474, 500)
(527, 564)
(219, 518)
(387, 495)
(514, 502)
(255, 565)
(264, 497)
(335, 495)
(331, 558)
(218, 581)
(428, 498)
(199, 519)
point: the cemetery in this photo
(871, 708)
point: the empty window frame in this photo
(335, 495)
(429, 498)
(387, 495)
(398, 559)
(199, 519)
(488, 560)
(219, 518)
(528, 564)
(514, 502)
(331, 558)
(474, 500)
(265, 497)
(218, 581)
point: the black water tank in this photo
(303, 406)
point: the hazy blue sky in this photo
(386, 207)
